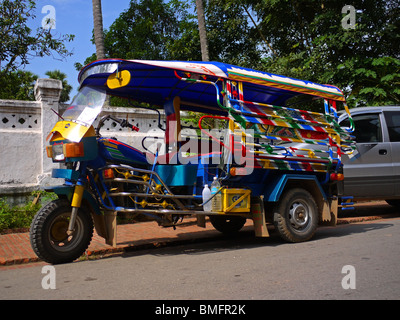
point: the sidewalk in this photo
(15, 248)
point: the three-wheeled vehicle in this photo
(252, 174)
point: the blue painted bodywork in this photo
(119, 152)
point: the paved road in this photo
(243, 268)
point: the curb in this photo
(367, 218)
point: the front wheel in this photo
(296, 216)
(48, 233)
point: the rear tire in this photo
(394, 203)
(227, 224)
(48, 233)
(296, 216)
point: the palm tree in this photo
(58, 75)
(98, 29)
(202, 30)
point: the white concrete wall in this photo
(20, 142)
(24, 126)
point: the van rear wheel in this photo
(296, 215)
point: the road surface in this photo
(355, 261)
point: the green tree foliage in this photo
(311, 43)
(151, 29)
(232, 39)
(304, 39)
(156, 29)
(19, 44)
(58, 75)
(17, 85)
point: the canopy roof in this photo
(156, 82)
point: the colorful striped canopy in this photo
(156, 82)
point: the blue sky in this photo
(72, 17)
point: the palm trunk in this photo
(202, 30)
(98, 29)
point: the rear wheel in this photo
(296, 215)
(394, 203)
(227, 224)
(48, 233)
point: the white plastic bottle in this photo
(206, 195)
(216, 202)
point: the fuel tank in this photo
(120, 152)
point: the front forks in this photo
(75, 204)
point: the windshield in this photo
(85, 106)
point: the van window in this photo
(393, 124)
(367, 127)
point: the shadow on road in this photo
(366, 209)
(349, 229)
(245, 239)
(205, 241)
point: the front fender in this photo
(68, 191)
(105, 224)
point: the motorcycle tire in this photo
(296, 216)
(48, 232)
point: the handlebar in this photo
(122, 122)
(126, 124)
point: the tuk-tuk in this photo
(242, 168)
